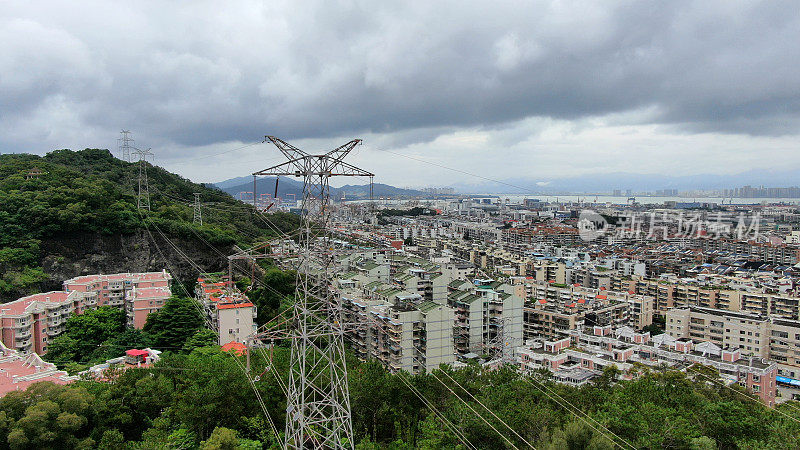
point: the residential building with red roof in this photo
(19, 370)
(138, 293)
(229, 310)
(30, 323)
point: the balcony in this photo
(22, 335)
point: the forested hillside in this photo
(74, 212)
(203, 399)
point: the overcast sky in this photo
(530, 89)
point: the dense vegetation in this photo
(98, 335)
(203, 399)
(90, 191)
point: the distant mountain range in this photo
(291, 186)
(636, 182)
(594, 183)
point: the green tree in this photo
(171, 326)
(84, 334)
(112, 440)
(202, 338)
(221, 439)
(271, 299)
(56, 417)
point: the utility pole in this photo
(125, 145)
(318, 401)
(143, 201)
(198, 214)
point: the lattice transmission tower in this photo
(143, 199)
(318, 398)
(125, 145)
(198, 213)
(501, 346)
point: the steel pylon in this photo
(318, 398)
(143, 199)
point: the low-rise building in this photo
(587, 351)
(19, 370)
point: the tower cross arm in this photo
(341, 151)
(290, 151)
(295, 167)
(341, 168)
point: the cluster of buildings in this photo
(227, 309)
(578, 356)
(30, 323)
(489, 279)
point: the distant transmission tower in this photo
(318, 401)
(501, 347)
(125, 144)
(143, 200)
(198, 214)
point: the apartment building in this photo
(585, 352)
(235, 321)
(138, 294)
(784, 346)
(518, 239)
(429, 285)
(753, 334)
(746, 331)
(30, 323)
(549, 272)
(409, 334)
(227, 309)
(770, 253)
(477, 231)
(676, 295)
(552, 319)
(488, 315)
(553, 309)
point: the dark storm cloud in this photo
(197, 73)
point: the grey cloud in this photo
(196, 74)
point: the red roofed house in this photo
(18, 371)
(30, 323)
(228, 309)
(236, 347)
